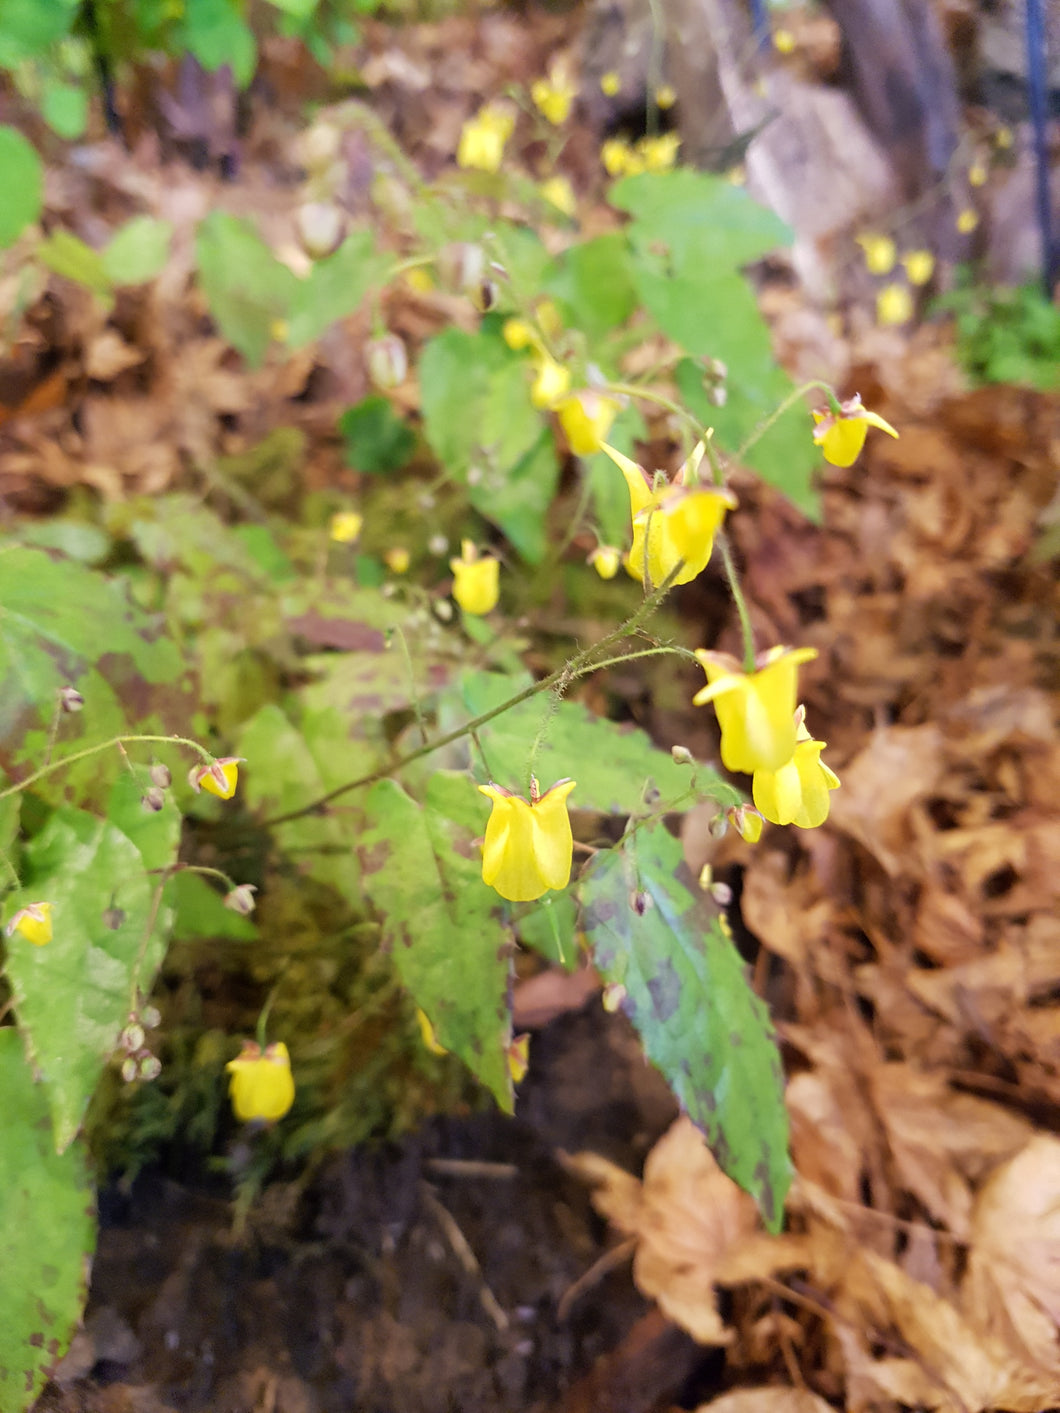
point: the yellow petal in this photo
(553, 842)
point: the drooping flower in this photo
(672, 524)
(879, 252)
(482, 138)
(586, 417)
(894, 305)
(476, 580)
(841, 436)
(345, 526)
(967, 220)
(659, 154)
(606, 560)
(559, 193)
(553, 96)
(919, 266)
(746, 821)
(218, 778)
(427, 1033)
(551, 382)
(610, 83)
(756, 710)
(797, 793)
(261, 1085)
(397, 559)
(33, 922)
(528, 845)
(519, 1057)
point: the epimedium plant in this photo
(406, 804)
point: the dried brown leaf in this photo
(767, 1400)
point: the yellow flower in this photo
(518, 334)
(967, 221)
(553, 96)
(894, 305)
(977, 174)
(1003, 138)
(345, 526)
(261, 1086)
(919, 266)
(559, 193)
(419, 280)
(756, 710)
(797, 793)
(482, 138)
(519, 1057)
(783, 41)
(606, 560)
(842, 437)
(33, 922)
(610, 83)
(548, 317)
(619, 159)
(528, 846)
(879, 252)
(551, 382)
(746, 821)
(658, 154)
(397, 559)
(476, 585)
(665, 97)
(430, 1040)
(586, 418)
(218, 779)
(674, 523)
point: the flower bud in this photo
(150, 1067)
(721, 893)
(320, 146)
(682, 755)
(151, 1017)
(613, 996)
(153, 799)
(388, 362)
(160, 776)
(130, 1070)
(113, 917)
(462, 266)
(132, 1037)
(70, 699)
(241, 899)
(484, 296)
(320, 228)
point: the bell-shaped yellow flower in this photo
(476, 580)
(33, 922)
(673, 524)
(879, 251)
(482, 138)
(528, 845)
(551, 382)
(841, 436)
(919, 266)
(345, 526)
(756, 710)
(606, 560)
(797, 793)
(218, 779)
(553, 96)
(586, 418)
(261, 1085)
(894, 305)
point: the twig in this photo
(596, 1272)
(464, 1254)
(466, 1167)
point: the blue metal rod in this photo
(1037, 99)
(762, 27)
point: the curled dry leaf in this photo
(1013, 1283)
(694, 1227)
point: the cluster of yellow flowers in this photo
(585, 414)
(621, 158)
(483, 137)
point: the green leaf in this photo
(63, 624)
(199, 912)
(376, 438)
(482, 426)
(333, 288)
(64, 107)
(70, 257)
(700, 218)
(441, 924)
(551, 927)
(612, 764)
(73, 995)
(687, 992)
(139, 251)
(249, 291)
(217, 35)
(29, 28)
(47, 1235)
(592, 284)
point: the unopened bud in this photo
(613, 997)
(388, 362)
(151, 1016)
(320, 228)
(721, 893)
(641, 902)
(150, 1067)
(438, 544)
(70, 699)
(718, 396)
(462, 266)
(132, 1037)
(241, 898)
(682, 755)
(130, 1070)
(484, 296)
(320, 146)
(161, 776)
(719, 827)
(153, 799)
(444, 610)
(113, 917)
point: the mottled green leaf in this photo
(73, 995)
(441, 923)
(687, 991)
(47, 1234)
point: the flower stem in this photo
(584, 662)
(648, 395)
(741, 603)
(118, 741)
(790, 401)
